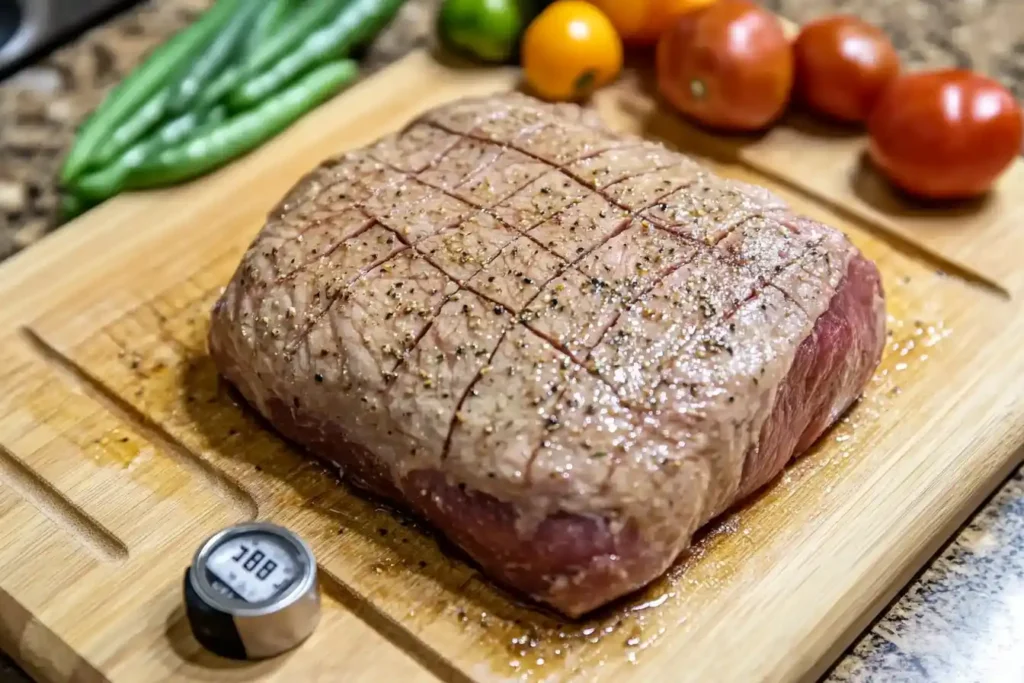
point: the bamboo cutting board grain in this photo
(120, 451)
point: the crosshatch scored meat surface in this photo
(566, 348)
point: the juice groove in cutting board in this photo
(122, 450)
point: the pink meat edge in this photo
(578, 563)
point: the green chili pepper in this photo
(215, 147)
(269, 22)
(185, 126)
(156, 73)
(216, 91)
(305, 21)
(358, 22)
(217, 56)
(103, 184)
(135, 127)
(73, 206)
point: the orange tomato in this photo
(945, 134)
(641, 22)
(843, 64)
(569, 50)
(727, 66)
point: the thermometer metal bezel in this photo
(300, 587)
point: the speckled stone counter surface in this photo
(961, 620)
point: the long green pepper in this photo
(103, 184)
(221, 86)
(356, 23)
(312, 15)
(224, 48)
(133, 92)
(133, 128)
(243, 133)
(270, 20)
(72, 207)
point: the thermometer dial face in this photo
(256, 568)
(252, 591)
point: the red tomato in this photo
(945, 134)
(728, 66)
(640, 22)
(843, 65)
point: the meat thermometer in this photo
(252, 592)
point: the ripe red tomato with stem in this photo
(843, 64)
(945, 134)
(728, 66)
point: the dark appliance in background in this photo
(28, 28)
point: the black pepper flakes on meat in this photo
(319, 378)
(499, 309)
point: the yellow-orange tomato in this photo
(641, 22)
(570, 49)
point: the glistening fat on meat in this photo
(566, 348)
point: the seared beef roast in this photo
(566, 348)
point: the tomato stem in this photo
(585, 81)
(698, 89)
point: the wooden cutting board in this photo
(120, 453)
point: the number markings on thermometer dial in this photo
(255, 568)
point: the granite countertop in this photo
(961, 620)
